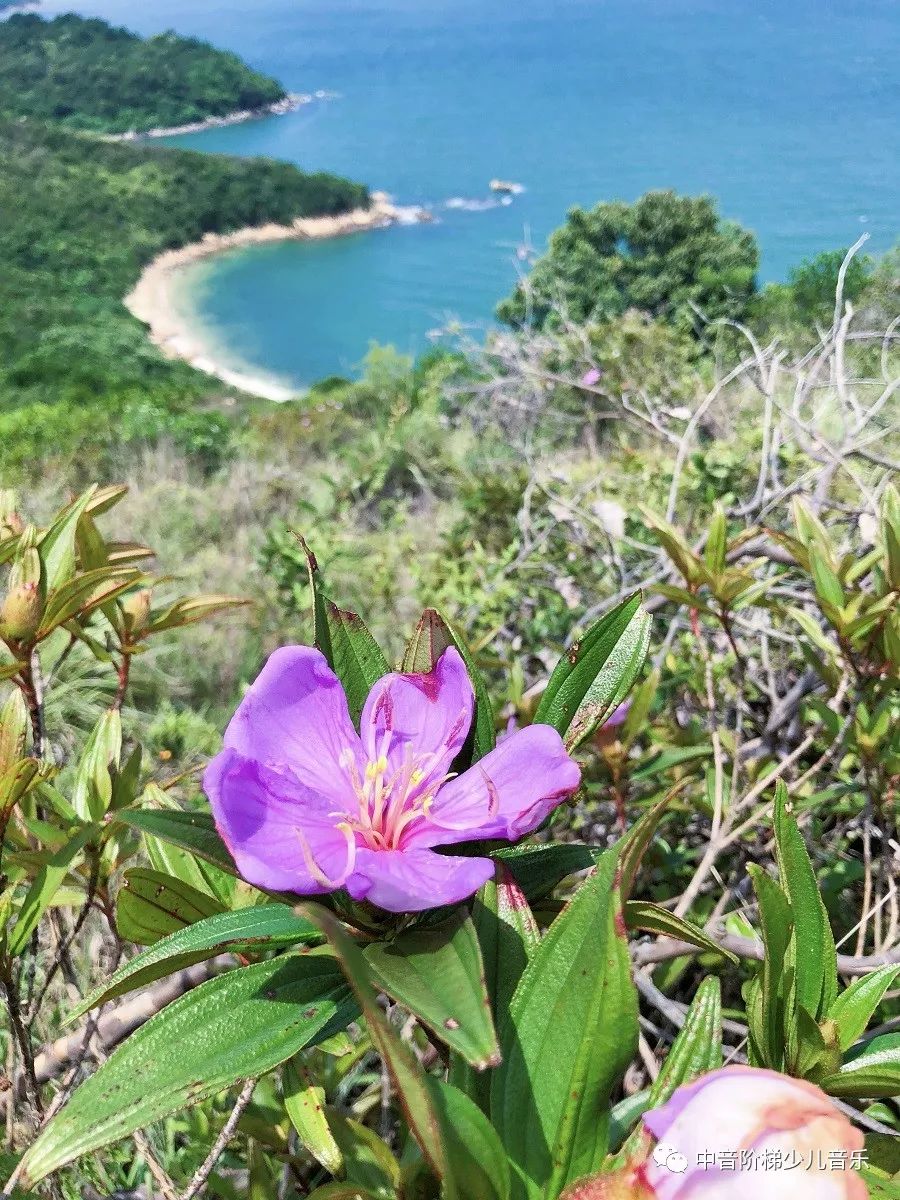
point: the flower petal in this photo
(506, 794)
(747, 1108)
(294, 718)
(280, 833)
(417, 715)
(413, 880)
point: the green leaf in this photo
(367, 1161)
(183, 864)
(572, 1032)
(778, 931)
(438, 975)
(696, 1050)
(342, 1191)
(234, 1027)
(881, 1187)
(356, 657)
(57, 544)
(594, 677)
(689, 564)
(92, 787)
(430, 639)
(644, 914)
(305, 1104)
(195, 832)
(855, 1007)
(84, 593)
(425, 1119)
(472, 1143)
(321, 631)
(265, 927)
(816, 957)
(665, 760)
(538, 869)
(633, 845)
(872, 1073)
(827, 585)
(817, 1051)
(191, 609)
(508, 936)
(44, 888)
(716, 542)
(151, 905)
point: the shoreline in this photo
(153, 299)
(278, 108)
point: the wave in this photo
(478, 205)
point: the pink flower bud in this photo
(747, 1134)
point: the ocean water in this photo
(785, 110)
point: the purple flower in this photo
(591, 377)
(306, 804)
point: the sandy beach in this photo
(154, 298)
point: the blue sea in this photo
(785, 110)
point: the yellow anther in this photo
(416, 778)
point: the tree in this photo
(667, 255)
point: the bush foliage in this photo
(90, 75)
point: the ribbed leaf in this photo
(44, 887)
(596, 674)
(305, 1104)
(644, 914)
(237, 1026)
(453, 1161)
(431, 637)
(855, 1007)
(816, 957)
(150, 905)
(873, 1073)
(696, 1050)
(571, 1034)
(356, 657)
(438, 974)
(472, 1143)
(508, 936)
(538, 869)
(195, 832)
(777, 930)
(265, 927)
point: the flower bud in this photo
(23, 605)
(625, 1184)
(21, 612)
(743, 1131)
(136, 607)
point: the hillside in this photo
(82, 217)
(93, 76)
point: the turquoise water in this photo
(786, 110)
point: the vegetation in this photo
(83, 219)
(666, 255)
(675, 549)
(764, 715)
(90, 75)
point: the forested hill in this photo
(93, 76)
(81, 218)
